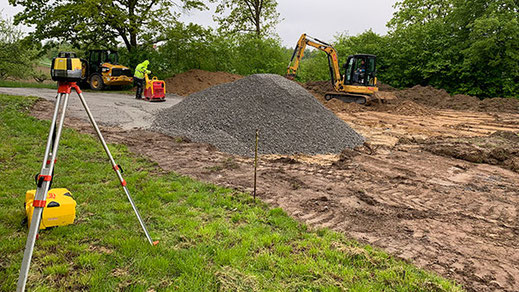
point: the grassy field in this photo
(211, 238)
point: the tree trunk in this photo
(133, 34)
(258, 7)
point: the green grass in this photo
(10, 83)
(24, 84)
(211, 238)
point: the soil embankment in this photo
(197, 80)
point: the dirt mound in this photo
(290, 120)
(197, 80)
(500, 148)
(439, 98)
(338, 106)
(499, 104)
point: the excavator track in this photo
(348, 97)
(365, 99)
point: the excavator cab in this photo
(360, 70)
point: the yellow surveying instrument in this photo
(66, 67)
(64, 70)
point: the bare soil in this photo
(434, 186)
(197, 80)
(500, 148)
(419, 97)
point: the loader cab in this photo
(97, 57)
(360, 70)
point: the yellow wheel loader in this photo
(358, 83)
(101, 70)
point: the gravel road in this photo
(111, 109)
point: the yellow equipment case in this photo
(60, 208)
(66, 67)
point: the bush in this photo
(17, 54)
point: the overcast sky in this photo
(319, 18)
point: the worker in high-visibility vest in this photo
(138, 77)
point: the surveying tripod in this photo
(44, 178)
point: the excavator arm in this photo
(333, 60)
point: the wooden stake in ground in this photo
(255, 162)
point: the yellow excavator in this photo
(358, 83)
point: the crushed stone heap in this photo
(290, 119)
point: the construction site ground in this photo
(436, 187)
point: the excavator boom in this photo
(299, 51)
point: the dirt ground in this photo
(414, 189)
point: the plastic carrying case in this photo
(59, 210)
(66, 67)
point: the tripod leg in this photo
(52, 133)
(44, 181)
(114, 165)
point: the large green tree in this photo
(489, 47)
(463, 46)
(253, 16)
(101, 22)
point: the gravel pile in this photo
(289, 118)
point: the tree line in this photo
(469, 47)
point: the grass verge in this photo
(10, 83)
(211, 238)
(25, 84)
